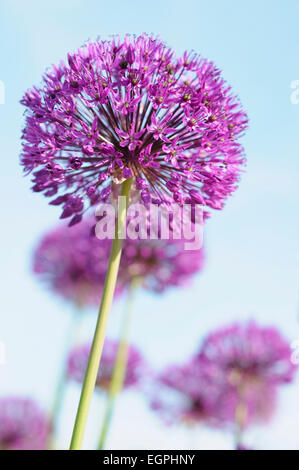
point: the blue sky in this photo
(252, 245)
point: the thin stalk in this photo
(240, 420)
(119, 369)
(100, 331)
(61, 382)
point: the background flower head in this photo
(73, 262)
(131, 108)
(23, 425)
(247, 363)
(182, 395)
(78, 359)
(159, 264)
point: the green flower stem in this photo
(100, 331)
(120, 365)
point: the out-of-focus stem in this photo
(240, 420)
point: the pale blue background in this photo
(252, 246)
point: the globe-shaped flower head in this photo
(73, 263)
(159, 264)
(23, 426)
(131, 108)
(247, 363)
(78, 359)
(182, 395)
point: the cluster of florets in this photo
(78, 359)
(159, 264)
(23, 425)
(249, 362)
(233, 380)
(73, 262)
(184, 396)
(131, 108)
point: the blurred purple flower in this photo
(73, 262)
(78, 359)
(130, 107)
(182, 395)
(23, 426)
(247, 363)
(159, 264)
(233, 380)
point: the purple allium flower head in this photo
(73, 262)
(159, 264)
(78, 359)
(23, 426)
(256, 352)
(130, 107)
(183, 395)
(248, 363)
